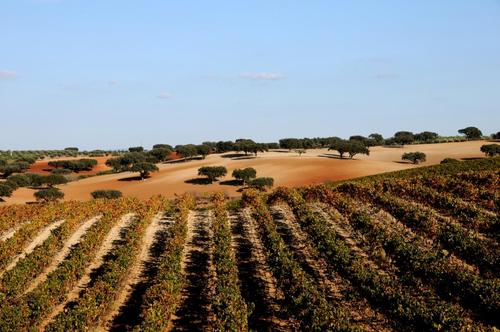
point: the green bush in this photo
(109, 194)
(262, 183)
(449, 161)
(49, 195)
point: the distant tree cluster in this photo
(496, 135)
(351, 147)
(140, 162)
(74, 165)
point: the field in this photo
(287, 168)
(415, 249)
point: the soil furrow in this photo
(114, 234)
(261, 286)
(193, 313)
(128, 317)
(63, 253)
(11, 232)
(38, 240)
(134, 275)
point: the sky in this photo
(112, 74)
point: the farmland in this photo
(410, 250)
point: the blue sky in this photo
(113, 74)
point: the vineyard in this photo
(403, 251)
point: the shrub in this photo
(491, 150)
(414, 157)
(61, 171)
(262, 183)
(109, 194)
(449, 161)
(212, 172)
(49, 195)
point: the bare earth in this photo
(287, 169)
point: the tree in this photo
(376, 139)
(160, 154)
(18, 181)
(245, 174)
(224, 146)
(144, 169)
(496, 136)
(212, 172)
(5, 190)
(248, 145)
(49, 195)
(203, 150)
(163, 146)
(351, 147)
(74, 165)
(71, 149)
(471, 133)
(15, 167)
(290, 143)
(136, 149)
(54, 179)
(107, 194)
(301, 151)
(414, 157)
(340, 146)
(426, 136)
(491, 150)
(356, 147)
(262, 183)
(404, 137)
(257, 147)
(186, 151)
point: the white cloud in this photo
(262, 76)
(164, 95)
(7, 74)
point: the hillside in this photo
(286, 167)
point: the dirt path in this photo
(10, 233)
(135, 274)
(63, 253)
(193, 313)
(114, 234)
(335, 287)
(258, 286)
(38, 240)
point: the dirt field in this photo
(42, 167)
(287, 169)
